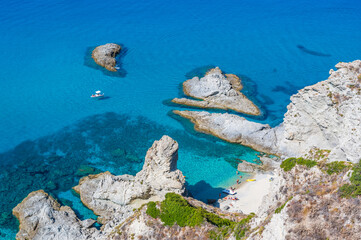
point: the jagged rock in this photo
(42, 217)
(104, 55)
(114, 197)
(326, 115)
(217, 90)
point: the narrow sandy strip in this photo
(249, 194)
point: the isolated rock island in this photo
(104, 55)
(217, 90)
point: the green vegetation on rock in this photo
(289, 163)
(152, 210)
(336, 167)
(279, 209)
(353, 189)
(176, 210)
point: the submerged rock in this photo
(217, 90)
(104, 55)
(325, 116)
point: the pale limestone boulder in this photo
(41, 217)
(217, 90)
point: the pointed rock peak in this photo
(163, 155)
(215, 70)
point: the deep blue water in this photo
(47, 76)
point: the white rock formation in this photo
(41, 217)
(234, 128)
(326, 115)
(111, 197)
(217, 90)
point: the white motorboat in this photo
(229, 191)
(98, 94)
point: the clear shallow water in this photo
(46, 78)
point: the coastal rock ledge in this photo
(217, 90)
(112, 198)
(104, 55)
(324, 116)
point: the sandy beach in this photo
(249, 194)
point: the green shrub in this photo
(279, 209)
(289, 163)
(152, 210)
(175, 209)
(353, 189)
(335, 167)
(216, 220)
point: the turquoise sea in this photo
(50, 128)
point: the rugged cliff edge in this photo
(326, 115)
(104, 55)
(217, 90)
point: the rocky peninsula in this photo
(217, 90)
(326, 115)
(104, 55)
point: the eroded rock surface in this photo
(42, 217)
(233, 128)
(114, 197)
(104, 55)
(326, 115)
(217, 90)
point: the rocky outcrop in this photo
(114, 197)
(233, 128)
(217, 90)
(326, 116)
(104, 55)
(42, 217)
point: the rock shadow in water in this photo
(288, 88)
(121, 72)
(311, 52)
(199, 71)
(203, 191)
